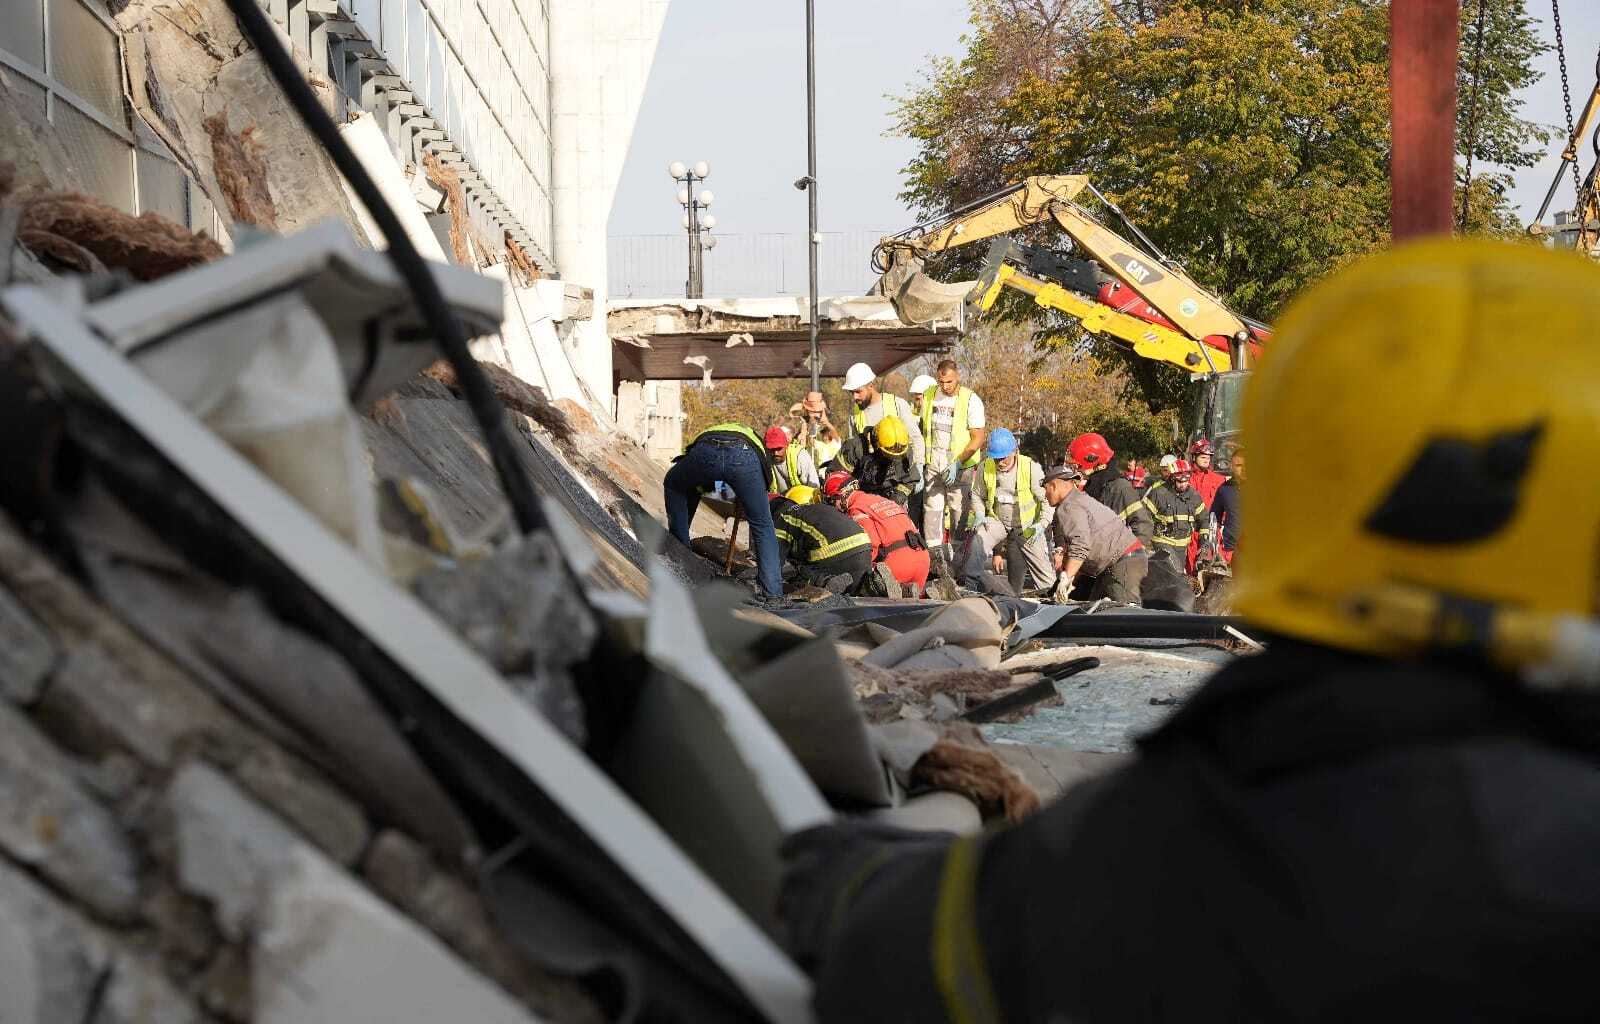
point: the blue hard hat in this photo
(1001, 443)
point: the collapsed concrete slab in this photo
(709, 339)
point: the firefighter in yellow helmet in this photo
(1394, 811)
(881, 460)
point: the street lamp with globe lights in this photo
(697, 224)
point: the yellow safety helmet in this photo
(801, 494)
(1422, 434)
(893, 438)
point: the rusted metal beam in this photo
(1422, 82)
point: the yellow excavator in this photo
(1131, 293)
(1581, 229)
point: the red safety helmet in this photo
(1181, 468)
(777, 438)
(1089, 450)
(1201, 446)
(1136, 476)
(839, 484)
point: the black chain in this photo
(1566, 90)
(1472, 112)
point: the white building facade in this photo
(531, 103)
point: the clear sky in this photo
(728, 87)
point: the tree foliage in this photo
(1249, 138)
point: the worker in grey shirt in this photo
(1096, 553)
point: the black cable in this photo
(408, 263)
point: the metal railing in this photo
(657, 266)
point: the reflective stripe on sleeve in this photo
(959, 968)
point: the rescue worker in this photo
(1008, 512)
(1137, 476)
(826, 547)
(733, 454)
(953, 433)
(872, 406)
(880, 460)
(1180, 514)
(898, 552)
(921, 384)
(1095, 552)
(1225, 511)
(1205, 481)
(1391, 813)
(1105, 482)
(790, 459)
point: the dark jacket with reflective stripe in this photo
(1177, 515)
(814, 533)
(1226, 512)
(1313, 836)
(878, 473)
(1121, 497)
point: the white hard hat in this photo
(1168, 462)
(858, 377)
(921, 384)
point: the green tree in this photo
(1249, 138)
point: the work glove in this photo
(1063, 591)
(952, 473)
(827, 868)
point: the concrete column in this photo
(600, 52)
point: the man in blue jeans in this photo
(732, 453)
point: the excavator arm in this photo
(1148, 340)
(1146, 287)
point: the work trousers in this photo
(994, 536)
(1121, 582)
(736, 464)
(910, 566)
(940, 496)
(855, 564)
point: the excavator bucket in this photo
(918, 298)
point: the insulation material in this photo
(241, 173)
(449, 181)
(955, 758)
(75, 229)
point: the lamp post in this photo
(808, 184)
(694, 221)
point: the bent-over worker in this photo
(897, 548)
(827, 547)
(732, 453)
(1096, 554)
(1008, 510)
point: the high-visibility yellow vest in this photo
(1027, 504)
(960, 436)
(791, 461)
(742, 431)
